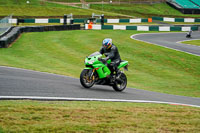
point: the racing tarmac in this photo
(18, 83)
(171, 40)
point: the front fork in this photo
(91, 74)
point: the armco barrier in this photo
(10, 37)
(137, 20)
(143, 28)
(46, 20)
(186, 20)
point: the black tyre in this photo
(120, 84)
(85, 79)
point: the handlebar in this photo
(102, 60)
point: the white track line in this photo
(78, 99)
(132, 37)
(180, 42)
(88, 99)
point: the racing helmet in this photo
(107, 43)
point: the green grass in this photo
(101, 0)
(120, 0)
(40, 9)
(193, 42)
(37, 8)
(82, 24)
(151, 67)
(34, 116)
(142, 10)
(181, 23)
(68, 1)
(136, 24)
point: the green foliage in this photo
(151, 67)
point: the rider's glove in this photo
(99, 59)
(104, 60)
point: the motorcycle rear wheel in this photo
(120, 86)
(84, 79)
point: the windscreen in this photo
(94, 54)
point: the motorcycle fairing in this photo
(123, 64)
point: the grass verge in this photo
(37, 8)
(35, 116)
(82, 24)
(142, 10)
(151, 67)
(193, 42)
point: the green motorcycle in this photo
(98, 72)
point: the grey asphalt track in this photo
(171, 40)
(20, 82)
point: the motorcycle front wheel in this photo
(85, 79)
(120, 84)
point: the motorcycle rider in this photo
(111, 52)
(189, 34)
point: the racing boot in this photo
(118, 73)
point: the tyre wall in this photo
(11, 36)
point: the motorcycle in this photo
(97, 72)
(189, 34)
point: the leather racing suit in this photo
(113, 54)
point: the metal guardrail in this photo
(5, 24)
